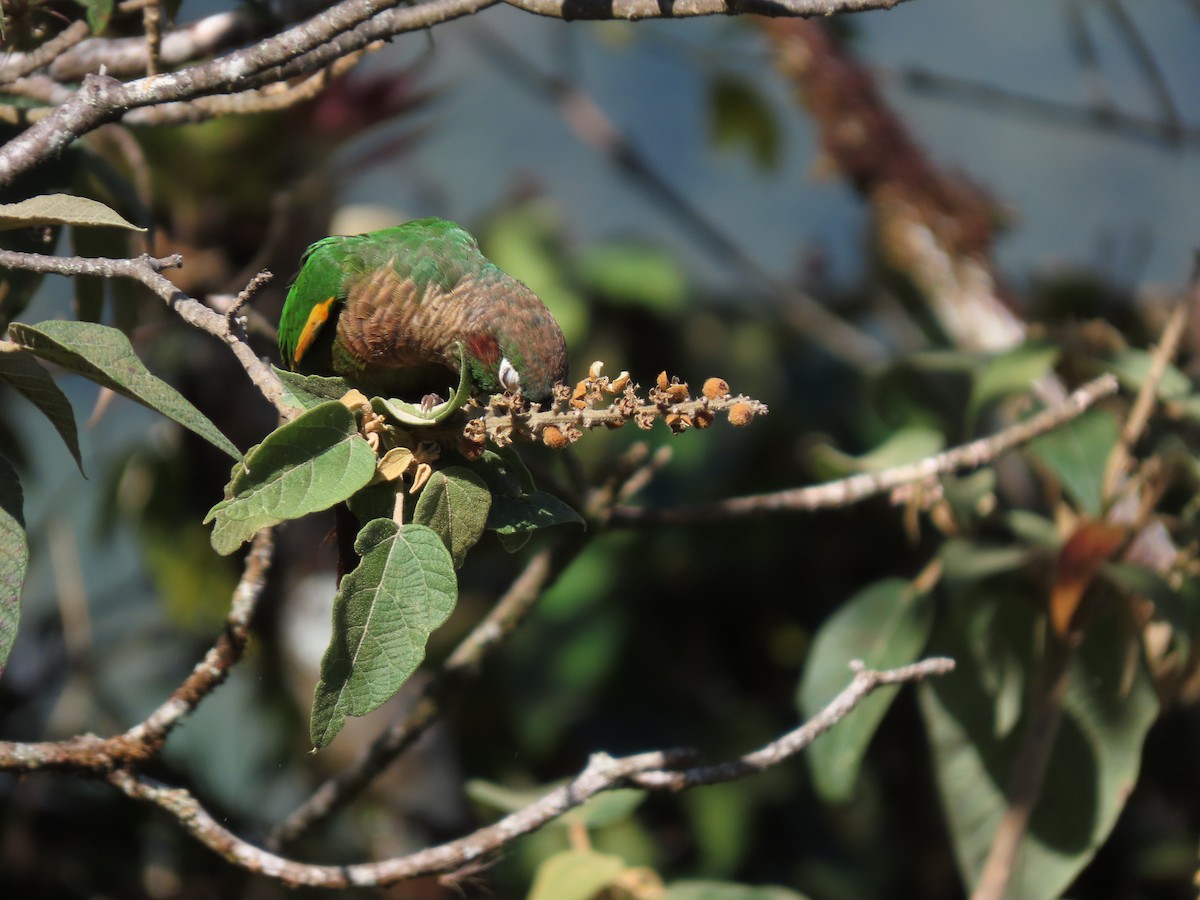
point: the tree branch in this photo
(859, 487)
(657, 770)
(45, 54)
(654, 9)
(144, 740)
(147, 270)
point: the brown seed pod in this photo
(703, 418)
(716, 388)
(553, 438)
(740, 414)
(677, 393)
(663, 381)
(678, 423)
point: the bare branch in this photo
(653, 9)
(656, 770)
(783, 748)
(343, 29)
(45, 54)
(859, 487)
(147, 270)
(141, 742)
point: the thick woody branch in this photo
(657, 770)
(868, 484)
(140, 743)
(45, 54)
(148, 271)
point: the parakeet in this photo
(386, 311)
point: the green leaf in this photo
(1133, 366)
(14, 557)
(1076, 454)
(741, 118)
(383, 614)
(98, 13)
(504, 473)
(725, 890)
(60, 209)
(21, 370)
(105, 356)
(455, 504)
(603, 809)
(638, 274)
(516, 515)
(885, 625)
(1008, 373)
(308, 391)
(1094, 761)
(575, 875)
(908, 445)
(414, 414)
(964, 559)
(316, 460)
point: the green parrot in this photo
(391, 311)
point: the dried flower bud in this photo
(663, 381)
(740, 414)
(678, 423)
(595, 369)
(703, 418)
(677, 393)
(618, 384)
(553, 437)
(644, 419)
(716, 388)
(578, 395)
(561, 392)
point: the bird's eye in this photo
(509, 378)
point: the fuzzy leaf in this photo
(14, 557)
(455, 503)
(515, 515)
(403, 588)
(61, 209)
(887, 624)
(307, 465)
(21, 370)
(575, 875)
(307, 391)
(105, 356)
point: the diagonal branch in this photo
(148, 271)
(144, 740)
(656, 770)
(654, 9)
(868, 484)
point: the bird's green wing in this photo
(312, 296)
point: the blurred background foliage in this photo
(717, 636)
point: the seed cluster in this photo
(598, 401)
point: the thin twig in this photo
(147, 270)
(1143, 406)
(656, 770)
(868, 484)
(144, 740)
(1144, 58)
(245, 296)
(45, 54)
